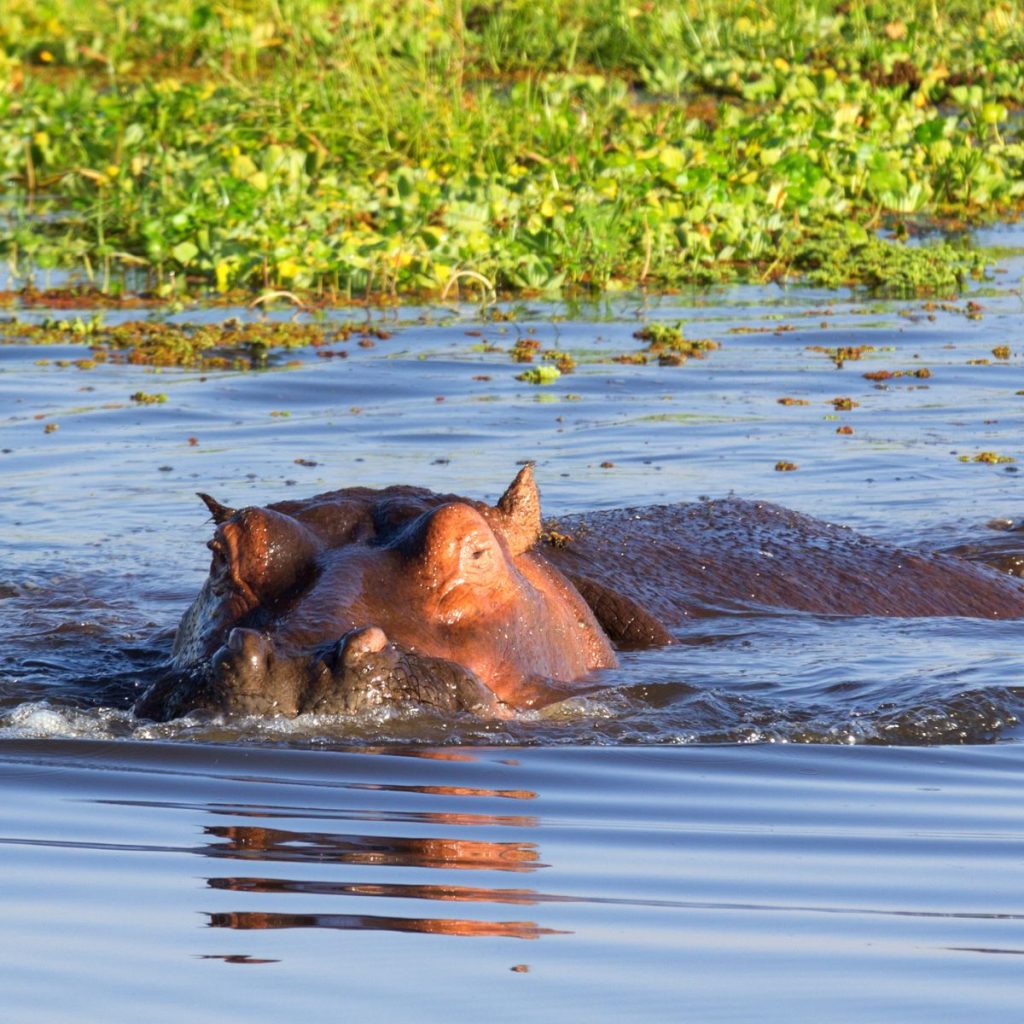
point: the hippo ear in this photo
(519, 512)
(220, 513)
(264, 553)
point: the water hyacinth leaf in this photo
(993, 113)
(185, 252)
(930, 131)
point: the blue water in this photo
(782, 816)
(704, 883)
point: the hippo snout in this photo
(248, 676)
(364, 670)
(351, 651)
(361, 671)
(246, 655)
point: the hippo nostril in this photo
(249, 645)
(357, 643)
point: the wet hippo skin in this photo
(361, 598)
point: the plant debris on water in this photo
(989, 458)
(327, 151)
(921, 373)
(230, 344)
(841, 354)
(540, 375)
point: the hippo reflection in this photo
(361, 598)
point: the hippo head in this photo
(360, 598)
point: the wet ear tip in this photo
(525, 475)
(519, 508)
(218, 512)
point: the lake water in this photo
(782, 816)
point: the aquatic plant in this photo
(362, 149)
(232, 344)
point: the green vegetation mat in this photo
(382, 149)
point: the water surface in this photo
(707, 883)
(782, 815)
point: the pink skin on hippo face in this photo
(449, 588)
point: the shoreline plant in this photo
(359, 149)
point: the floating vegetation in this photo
(564, 362)
(524, 350)
(792, 401)
(989, 458)
(842, 354)
(669, 345)
(540, 375)
(774, 329)
(555, 538)
(142, 398)
(232, 344)
(843, 404)
(921, 373)
(857, 257)
(322, 153)
(785, 467)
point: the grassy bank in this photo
(359, 147)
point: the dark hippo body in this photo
(361, 598)
(694, 559)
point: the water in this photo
(705, 883)
(793, 816)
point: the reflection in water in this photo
(403, 891)
(508, 794)
(255, 920)
(238, 958)
(246, 842)
(704, 877)
(265, 811)
(254, 842)
(985, 949)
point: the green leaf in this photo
(185, 252)
(993, 113)
(931, 131)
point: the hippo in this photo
(358, 598)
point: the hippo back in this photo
(693, 559)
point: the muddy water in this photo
(636, 852)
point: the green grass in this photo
(361, 148)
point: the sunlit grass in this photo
(360, 147)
